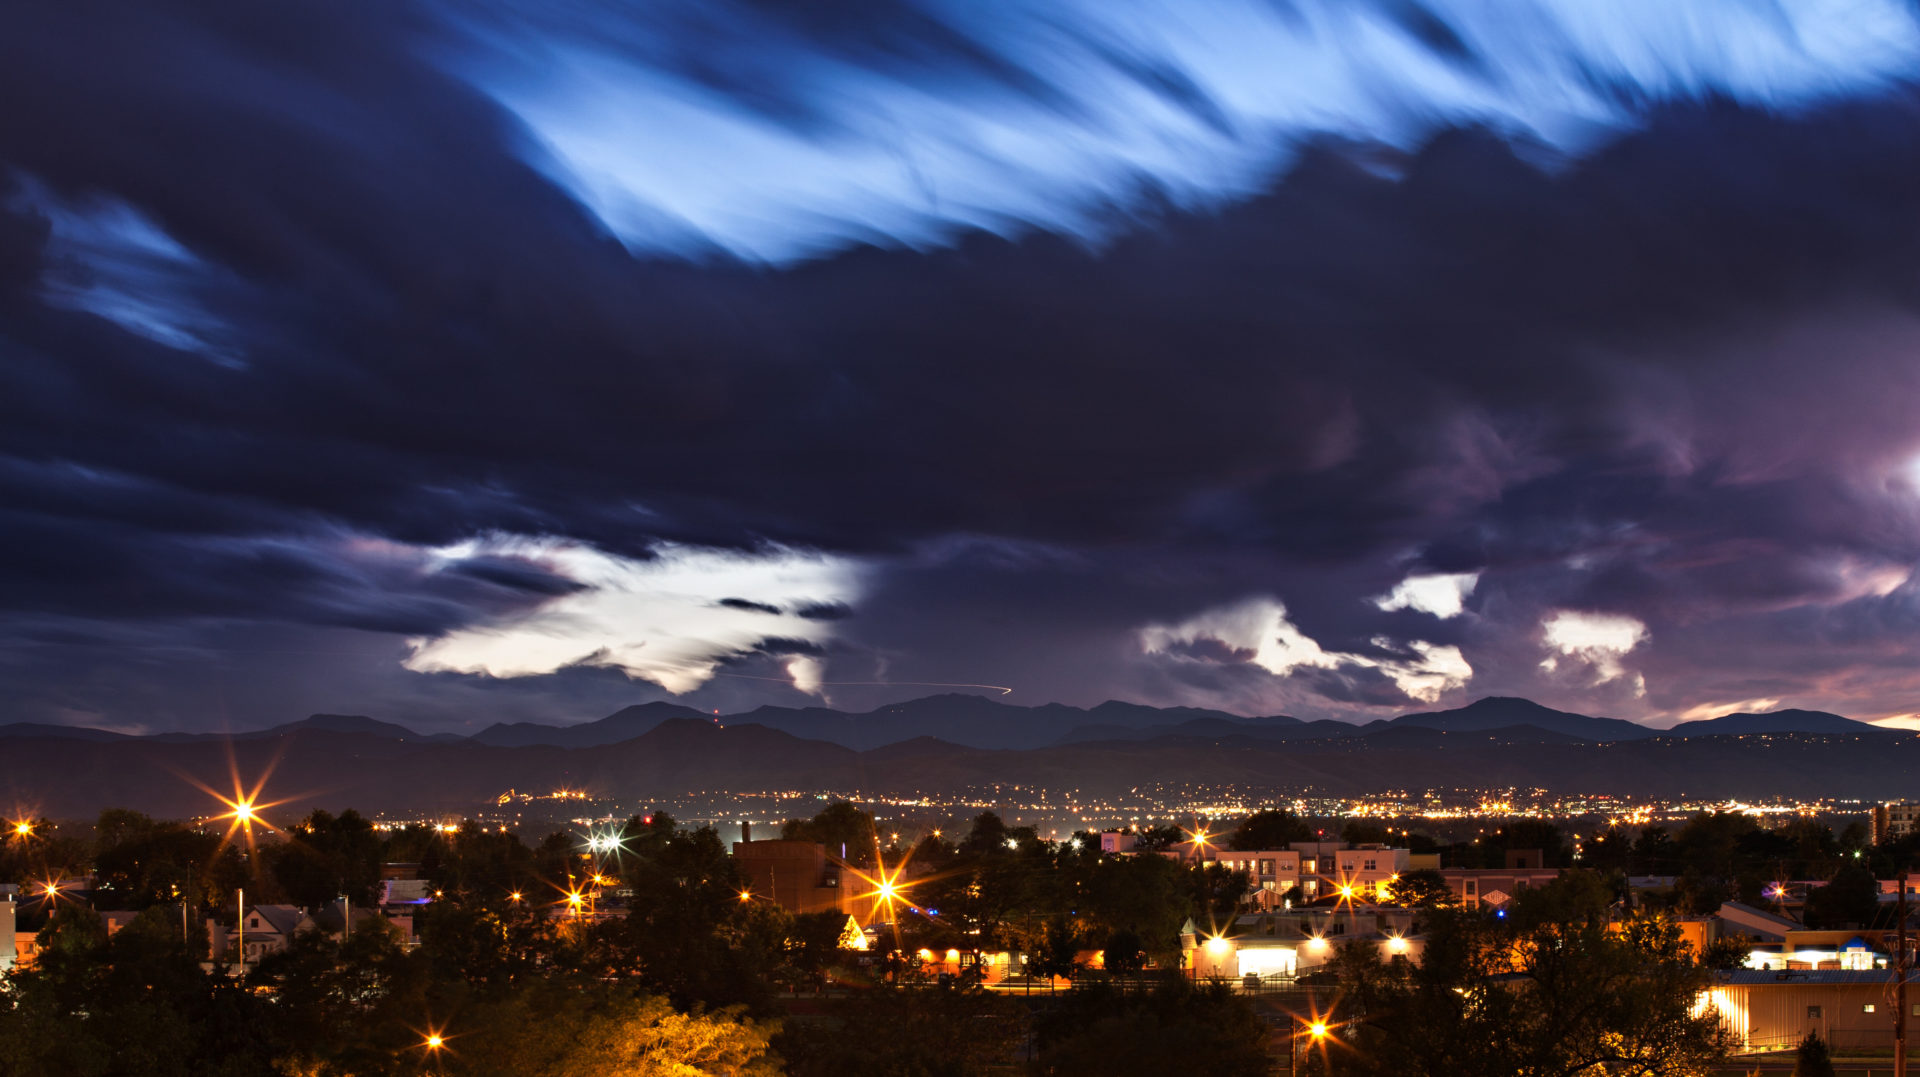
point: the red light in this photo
(647, 819)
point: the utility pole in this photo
(1900, 981)
(240, 924)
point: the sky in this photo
(453, 363)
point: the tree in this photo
(325, 857)
(1366, 832)
(838, 826)
(1531, 834)
(1097, 1031)
(1850, 899)
(1059, 952)
(1217, 890)
(1124, 953)
(1812, 1058)
(1421, 889)
(642, 1036)
(944, 1031)
(1273, 828)
(145, 862)
(1550, 991)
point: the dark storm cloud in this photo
(780, 646)
(516, 574)
(1352, 683)
(1207, 649)
(1665, 381)
(749, 606)
(823, 611)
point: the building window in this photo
(1813, 1013)
(1868, 1008)
(1369, 866)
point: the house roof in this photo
(285, 919)
(1766, 978)
(1750, 917)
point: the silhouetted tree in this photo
(1273, 828)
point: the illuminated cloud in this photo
(660, 619)
(921, 120)
(1442, 595)
(1706, 711)
(1597, 640)
(108, 258)
(1257, 631)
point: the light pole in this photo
(1900, 963)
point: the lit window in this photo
(1868, 1008)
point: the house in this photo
(1273, 872)
(798, 876)
(115, 919)
(1494, 887)
(1284, 946)
(1758, 924)
(8, 949)
(1117, 841)
(1360, 871)
(1774, 1010)
(1318, 868)
(405, 892)
(1890, 821)
(1823, 951)
(264, 929)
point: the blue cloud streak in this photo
(775, 132)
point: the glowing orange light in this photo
(434, 1041)
(1318, 1029)
(24, 830)
(245, 809)
(746, 895)
(515, 896)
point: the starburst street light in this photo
(23, 829)
(244, 808)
